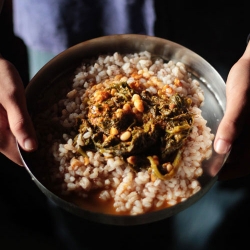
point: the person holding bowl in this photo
(232, 135)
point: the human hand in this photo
(15, 122)
(234, 130)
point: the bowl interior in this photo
(46, 88)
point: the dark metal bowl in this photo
(52, 77)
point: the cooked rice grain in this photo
(132, 193)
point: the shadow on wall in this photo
(217, 33)
(11, 47)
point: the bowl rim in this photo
(52, 71)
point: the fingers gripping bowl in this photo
(125, 125)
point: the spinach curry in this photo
(147, 129)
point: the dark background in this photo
(217, 33)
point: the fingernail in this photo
(30, 144)
(222, 147)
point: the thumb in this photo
(13, 100)
(21, 125)
(237, 107)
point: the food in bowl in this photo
(128, 137)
